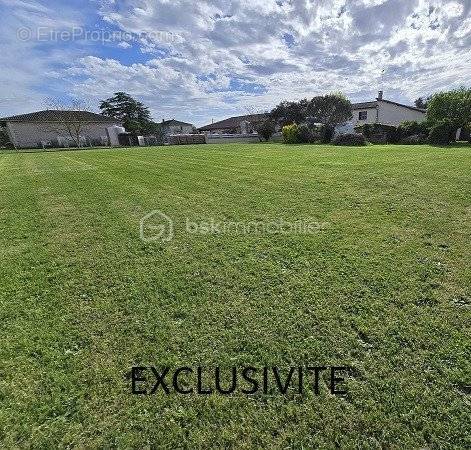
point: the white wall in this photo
(390, 114)
(371, 118)
(387, 114)
(179, 129)
(29, 135)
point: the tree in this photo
(422, 103)
(4, 138)
(287, 113)
(330, 110)
(412, 128)
(454, 106)
(157, 130)
(443, 132)
(70, 119)
(266, 129)
(134, 116)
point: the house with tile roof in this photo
(235, 125)
(58, 128)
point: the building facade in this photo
(51, 128)
(176, 127)
(385, 112)
(235, 125)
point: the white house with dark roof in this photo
(385, 112)
(381, 111)
(177, 127)
(53, 128)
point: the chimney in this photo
(380, 95)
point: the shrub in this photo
(378, 138)
(350, 139)
(415, 139)
(327, 134)
(266, 129)
(379, 133)
(306, 135)
(366, 130)
(4, 139)
(442, 133)
(412, 128)
(290, 134)
(394, 135)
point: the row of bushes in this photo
(350, 139)
(439, 133)
(303, 134)
(408, 133)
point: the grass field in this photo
(384, 287)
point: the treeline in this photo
(309, 121)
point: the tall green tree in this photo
(266, 129)
(454, 106)
(287, 113)
(132, 113)
(330, 110)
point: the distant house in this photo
(235, 125)
(52, 128)
(381, 111)
(176, 127)
(385, 112)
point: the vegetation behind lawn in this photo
(384, 288)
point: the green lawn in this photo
(384, 287)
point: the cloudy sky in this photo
(202, 60)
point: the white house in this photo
(176, 127)
(57, 128)
(385, 112)
(381, 111)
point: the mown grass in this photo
(384, 288)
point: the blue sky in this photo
(198, 61)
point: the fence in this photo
(186, 139)
(231, 138)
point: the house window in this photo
(363, 115)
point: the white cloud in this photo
(464, 30)
(23, 67)
(212, 58)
